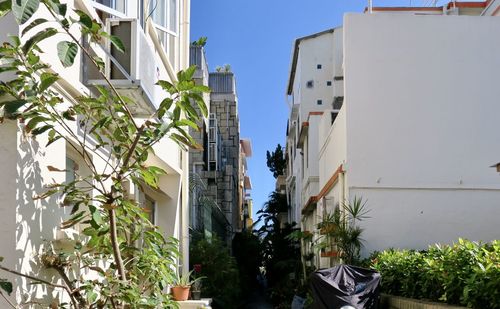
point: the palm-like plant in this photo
(341, 229)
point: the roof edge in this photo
(295, 55)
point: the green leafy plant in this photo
(186, 280)
(120, 259)
(200, 42)
(340, 230)
(465, 273)
(221, 277)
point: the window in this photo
(71, 168)
(149, 206)
(337, 103)
(318, 66)
(319, 102)
(119, 5)
(328, 82)
(310, 84)
(164, 14)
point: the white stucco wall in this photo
(311, 54)
(422, 126)
(27, 225)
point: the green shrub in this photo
(221, 280)
(466, 273)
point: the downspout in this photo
(185, 154)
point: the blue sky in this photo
(255, 38)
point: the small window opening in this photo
(319, 102)
(319, 66)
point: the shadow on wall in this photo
(37, 221)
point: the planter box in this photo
(195, 304)
(396, 302)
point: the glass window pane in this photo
(158, 10)
(71, 168)
(119, 5)
(173, 15)
(149, 208)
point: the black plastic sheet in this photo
(344, 285)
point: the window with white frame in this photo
(118, 5)
(164, 14)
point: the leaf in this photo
(33, 122)
(59, 8)
(66, 51)
(41, 129)
(24, 9)
(11, 107)
(47, 79)
(6, 286)
(96, 220)
(54, 169)
(36, 38)
(186, 122)
(5, 7)
(33, 24)
(73, 220)
(85, 19)
(117, 43)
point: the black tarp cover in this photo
(345, 285)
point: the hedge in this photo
(466, 273)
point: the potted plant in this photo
(196, 286)
(196, 290)
(182, 285)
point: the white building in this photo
(417, 130)
(157, 47)
(310, 91)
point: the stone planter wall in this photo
(396, 302)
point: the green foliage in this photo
(200, 42)
(185, 280)
(466, 273)
(220, 271)
(247, 252)
(276, 161)
(24, 9)
(127, 261)
(340, 229)
(280, 250)
(6, 286)
(66, 51)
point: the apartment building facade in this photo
(157, 44)
(220, 207)
(414, 136)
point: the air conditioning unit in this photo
(134, 72)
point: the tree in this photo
(127, 260)
(280, 253)
(276, 161)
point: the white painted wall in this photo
(422, 126)
(311, 53)
(25, 224)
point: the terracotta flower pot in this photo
(330, 254)
(180, 293)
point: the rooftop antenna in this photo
(370, 6)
